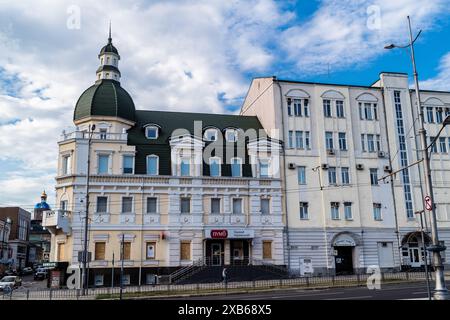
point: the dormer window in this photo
(211, 135)
(231, 135)
(152, 132)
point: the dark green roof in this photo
(105, 98)
(109, 48)
(170, 121)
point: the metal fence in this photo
(220, 287)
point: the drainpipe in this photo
(284, 174)
(392, 182)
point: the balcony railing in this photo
(55, 220)
(95, 136)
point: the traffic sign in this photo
(428, 203)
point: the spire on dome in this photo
(109, 38)
(109, 61)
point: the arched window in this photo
(236, 167)
(214, 167)
(211, 134)
(152, 132)
(231, 135)
(107, 60)
(107, 75)
(101, 61)
(152, 165)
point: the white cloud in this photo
(442, 80)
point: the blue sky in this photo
(189, 56)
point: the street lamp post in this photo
(86, 224)
(440, 291)
(425, 259)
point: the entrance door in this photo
(216, 254)
(415, 257)
(344, 260)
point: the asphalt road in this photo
(415, 290)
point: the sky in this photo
(189, 56)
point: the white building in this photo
(339, 141)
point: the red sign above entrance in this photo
(219, 234)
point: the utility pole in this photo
(122, 254)
(425, 259)
(112, 273)
(86, 218)
(440, 291)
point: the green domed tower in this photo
(106, 98)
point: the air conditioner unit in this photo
(360, 166)
(324, 166)
(292, 165)
(381, 154)
(330, 152)
(387, 169)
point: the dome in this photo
(105, 98)
(42, 205)
(109, 48)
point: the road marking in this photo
(421, 292)
(351, 298)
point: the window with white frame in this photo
(237, 205)
(128, 164)
(442, 145)
(265, 206)
(215, 205)
(340, 109)
(236, 167)
(363, 143)
(103, 163)
(291, 139)
(231, 135)
(102, 204)
(152, 132)
(370, 143)
(63, 205)
(301, 175)
(185, 167)
(264, 168)
(345, 175)
(430, 118)
(306, 107)
(332, 176)
(152, 165)
(374, 177)
(66, 164)
(439, 115)
(103, 133)
(348, 211)
(214, 167)
(152, 205)
(307, 140)
(127, 204)
(299, 139)
(185, 205)
(377, 211)
(335, 210)
(304, 211)
(342, 141)
(297, 107)
(329, 140)
(211, 134)
(327, 108)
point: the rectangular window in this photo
(340, 108)
(289, 107)
(377, 212)
(264, 169)
(327, 108)
(214, 167)
(100, 250)
(307, 140)
(66, 165)
(301, 174)
(299, 139)
(185, 250)
(267, 249)
(185, 205)
(363, 143)
(128, 164)
(152, 165)
(374, 177)
(236, 167)
(150, 250)
(304, 211)
(126, 250)
(185, 168)
(370, 143)
(348, 211)
(447, 112)
(152, 205)
(329, 140)
(298, 107)
(237, 206)
(102, 204)
(306, 107)
(430, 118)
(368, 111)
(63, 205)
(335, 210)
(378, 141)
(342, 141)
(127, 204)
(291, 139)
(443, 144)
(215, 205)
(265, 206)
(439, 115)
(375, 111)
(434, 146)
(345, 176)
(103, 133)
(361, 111)
(332, 175)
(103, 164)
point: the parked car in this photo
(10, 272)
(11, 282)
(27, 271)
(41, 274)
